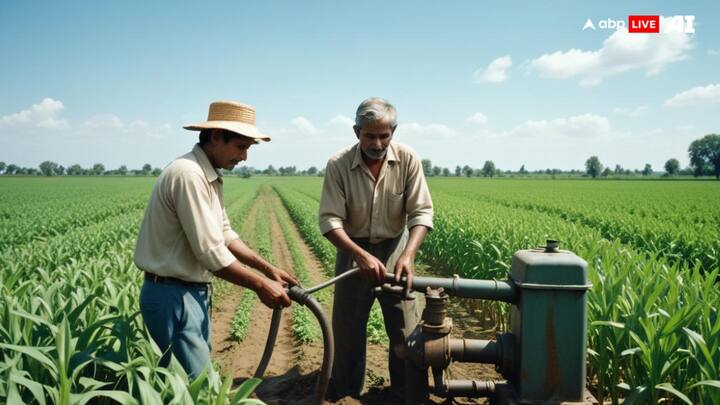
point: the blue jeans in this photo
(177, 317)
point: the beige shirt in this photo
(365, 208)
(186, 230)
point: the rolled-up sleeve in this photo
(332, 200)
(206, 237)
(418, 203)
(228, 232)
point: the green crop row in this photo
(304, 211)
(70, 329)
(261, 241)
(688, 234)
(304, 329)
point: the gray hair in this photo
(375, 109)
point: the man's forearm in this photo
(416, 238)
(248, 256)
(236, 274)
(342, 241)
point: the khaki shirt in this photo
(186, 230)
(351, 198)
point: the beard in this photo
(375, 154)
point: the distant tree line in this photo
(50, 168)
(704, 156)
(248, 171)
(704, 161)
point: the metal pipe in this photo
(474, 351)
(332, 281)
(497, 290)
(468, 388)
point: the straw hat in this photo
(232, 116)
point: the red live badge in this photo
(644, 23)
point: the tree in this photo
(458, 171)
(436, 170)
(75, 170)
(427, 167)
(48, 168)
(312, 171)
(146, 169)
(244, 171)
(467, 170)
(593, 167)
(98, 169)
(522, 170)
(647, 170)
(618, 169)
(672, 167)
(122, 170)
(606, 172)
(11, 169)
(60, 171)
(705, 153)
(270, 171)
(156, 171)
(488, 169)
(2, 166)
(446, 172)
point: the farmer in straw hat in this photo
(376, 209)
(186, 239)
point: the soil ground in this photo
(292, 372)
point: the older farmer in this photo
(373, 193)
(186, 239)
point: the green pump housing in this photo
(549, 321)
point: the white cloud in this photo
(631, 112)
(621, 52)
(429, 131)
(304, 126)
(709, 94)
(496, 71)
(104, 121)
(478, 119)
(43, 115)
(579, 126)
(138, 124)
(341, 121)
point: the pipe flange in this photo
(443, 329)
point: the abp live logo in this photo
(647, 24)
(651, 24)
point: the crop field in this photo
(70, 329)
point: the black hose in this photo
(328, 352)
(269, 343)
(301, 296)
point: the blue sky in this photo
(513, 82)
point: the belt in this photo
(163, 279)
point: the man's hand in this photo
(272, 294)
(371, 268)
(405, 266)
(281, 276)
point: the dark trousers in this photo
(351, 309)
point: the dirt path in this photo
(224, 349)
(292, 372)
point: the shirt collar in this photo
(357, 155)
(211, 173)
